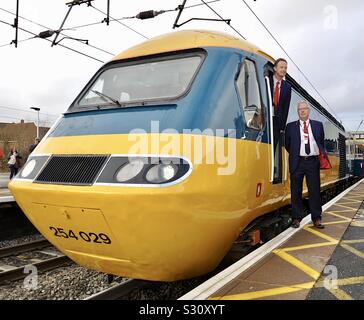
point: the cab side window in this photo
(248, 90)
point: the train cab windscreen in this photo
(143, 81)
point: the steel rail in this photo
(30, 246)
(18, 273)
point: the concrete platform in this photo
(304, 263)
(5, 194)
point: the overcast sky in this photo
(324, 38)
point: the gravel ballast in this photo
(69, 282)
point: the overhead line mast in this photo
(16, 24)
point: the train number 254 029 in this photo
(85, 236)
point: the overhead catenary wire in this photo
(32, 112)
(45, 27)
(61, 45)
(11, 43)
(123, 24)
(135, 17)
(214, 11)
(298, 68)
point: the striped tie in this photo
(307, 145)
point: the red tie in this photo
(276, 95)
(307, 145)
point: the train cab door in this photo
(278, 163)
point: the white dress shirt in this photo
(314, 150)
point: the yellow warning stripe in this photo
(321, 235)
(331, 222)
(350, 281)
(342, 282)
(297, 263)
(352, 250)
(353, 241)
(309, 246)
(357, 224)
(267, 292)
(349, 208)
(351, 201)
(340, 294)
(343, 211)
(338, 215)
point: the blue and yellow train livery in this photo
(164, 158)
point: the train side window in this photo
(248, 90)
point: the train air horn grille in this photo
(70, 169)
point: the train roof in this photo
(189, 39)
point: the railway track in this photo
(119, 291)
(14, 259)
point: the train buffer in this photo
(301, 264)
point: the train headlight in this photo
(161, 173)
(28, 169)
(129, 170)
(144, 171)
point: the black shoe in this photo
(317, 224)
(295, 223)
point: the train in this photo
(165, 157)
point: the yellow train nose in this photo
(153, 235)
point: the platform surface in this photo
(5, 194)
(311, 264)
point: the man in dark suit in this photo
(304, 141)
(33, 146)
(281, 96)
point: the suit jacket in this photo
(293, 141)
(283, 104)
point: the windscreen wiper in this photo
(106, 97)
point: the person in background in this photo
(34, 145)
(14, 162)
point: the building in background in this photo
(19, 135)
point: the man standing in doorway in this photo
(304, 141)
(281, 93)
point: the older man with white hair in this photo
(304, 141)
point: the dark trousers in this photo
(13, 170)
(310, 169)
